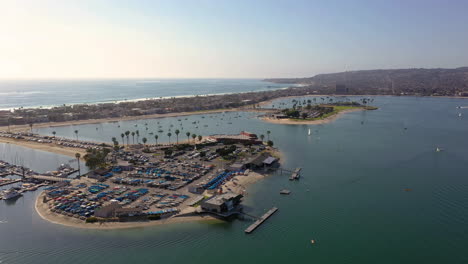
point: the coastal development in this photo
(141, 183)
(28, 118)
(133, 184)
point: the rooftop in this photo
(221, 198)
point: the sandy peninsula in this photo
(309, 122)
(237, 184)
(49, 147)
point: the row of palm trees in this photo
(156, 137)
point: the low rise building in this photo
(222, 203)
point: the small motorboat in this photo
(312, 241)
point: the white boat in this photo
(308, 133)
(459, 114)
(439, 149)
(11, 194)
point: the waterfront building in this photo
(222, 203)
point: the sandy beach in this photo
(309, 122)
(49, 147)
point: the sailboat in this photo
(459, 114)
(308, 133)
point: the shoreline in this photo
(237, 184)
(47, 147)
(44, 212)
(19, 128)
(326, 120)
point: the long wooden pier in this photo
(296, 174)
(261, 220)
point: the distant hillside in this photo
(446, 82)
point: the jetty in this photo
(296, 174)
(261, 220)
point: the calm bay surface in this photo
(374, 190)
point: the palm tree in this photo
(114, 140)
(76, 132)
(194, 136)
(144, 141)
(138, 135)
(53, 133)
(268, 134)
(122, 136)
(156, 138)
(133, 137)
(188, 136)
(169, 135)
(177, 135)
(31, 126)
(199, 137)
(262, 137)
(127, 133)
(78, 156)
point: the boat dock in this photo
(296, 174)
(2, 183)
(261, 220)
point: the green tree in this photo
(138, 135)
(144, 141)
(122, 136)
(96, 157)
(54, 133)
(270, 143)
(268, 134)
(156, 139)
(169, 135)
(188, 136)
(177, 135)
(127, 133)
(193, 137)
(304, 115)
(133, 137)
(78, 156)
(76, 133)
(199, 137)
(262, 137)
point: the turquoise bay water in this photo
(45, 93)
(351, 198)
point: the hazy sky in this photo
(227, 39)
